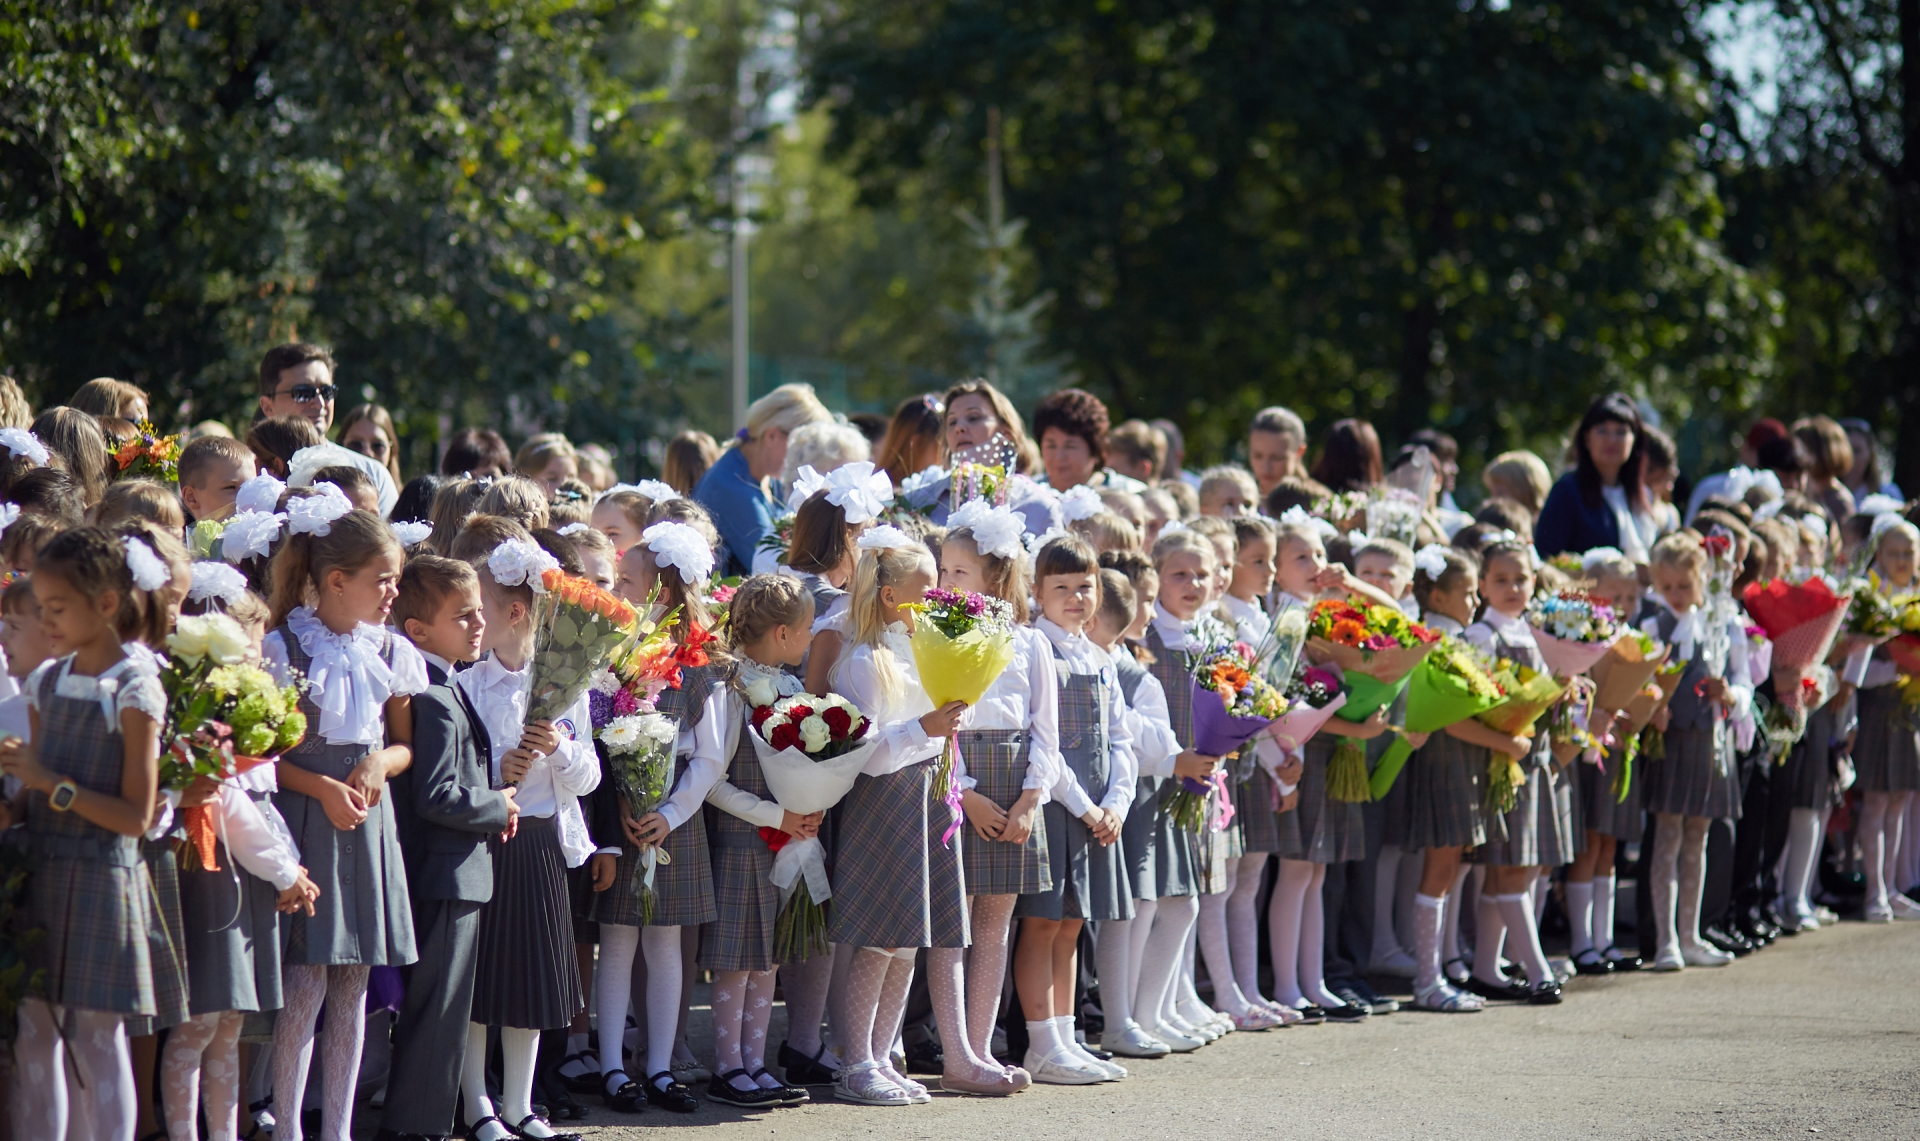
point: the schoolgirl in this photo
(1009, 757)
(89, 779)
(1694, 781)
(1538, 830)
(677, 557)
(886, 900)
(335, 579)
(769, 626)
(1089, 802)
(1886, 750)
(526, 977)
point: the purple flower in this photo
(975, 605)
(599, 708)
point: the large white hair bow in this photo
(806, 481)
(216, 580)
(885, 537)
(1080, 502)
(681, 547)
(9, 515)
(997, 531)
(250, 535)
(655, 490)
(1597, 555)
(1297, 516)
(315, 514)
(261, 493)
(517, 562)
(1432, 559)
(859, 490)
(1743, 479)
(149, 573)
(20, 442)
(410, 532)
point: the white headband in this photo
(573, 529)
(654, 490)
(1297, 516)
(1080, 502)
(1432, 559)
(216, 580)
(411, 532)
(149, 573)
(1597, 555)
(517, 562)
(996, 530)
(261, 493)
(681, 547)
(250, 535)
(886, 537)
(315, 514)
(20, 442)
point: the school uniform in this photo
(90, 892)
(525, 974)
(1886, 748)
(738, 806)
(1539, 830)
(231, 915)
(1155, 748)
(363, 915)
(890, 889)
(1011, 745)
(1088, 879)
(1256, 794)
(1600, 810)
(447, 811)
(1446, 783)
(1182, 861)
(1696, 775)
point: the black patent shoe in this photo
(626, 1097)
(1348, 1012)
(1546, 994)
(1495, 992)
(789, 1094)
(1620, 959)
(584, 1082)
(722, 1090)
(1312, 1015)
(1733, 943)
(1591, 962)
(520, 1130)
(674, 1098)
(803, 1070)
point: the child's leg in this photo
(857, 1012)
(1163, 957)
(1803, 852)
(753, 1027)
(99, 1055)
(1451, 947)
(1033, 979)
(1897, 840)
(1523, 933)
(1179, 915)
(1438, 867)
(1187, 1006)
(947, 986)
(1112, 940)
(180, 1074)
(1663, 874)
(304, 992)
(1580, 895)
(1284, 916)
(1874, 847)
(807, 985)
(612, 991)
(1692, 879)
(1386, 954)
(580, 1059)
(891, 1012)
(660, 946)
(1066, 972)
(519, 1047)
(1313, 943)
(1214, 945)
(986, 974)
(220, 1078)
(1604, 888)
(1243, 930)
(1141, 929)
(340, 1045)
(1489, 931)
(729, 1015)
(689, 971)
(39, 1093)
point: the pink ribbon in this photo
(1226, 803)
(953, 806)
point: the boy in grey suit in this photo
(447, 810)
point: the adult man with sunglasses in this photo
(297, 380)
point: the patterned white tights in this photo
(203, 1055)
(742, 1011)
(43, 1066)
(343, 990)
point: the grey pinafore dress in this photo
(171, 978)
(1539, 830)
(997, 761)
(1089, 879)
(1447, 794)
(1177, 853)
(363, 916)
(1600, 811)
(90, 891)
(1886, 750)
(1140, 832)
(1696, 776)
(233, 932)
(741, 939)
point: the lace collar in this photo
(349, 681)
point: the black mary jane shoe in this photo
(1497, 992)
(1348, 1012)
(675, 1098)
(520, 1130)
(1546, 994)
(1620, 959)
(473, 1131)
(559, 1105)
(789, 1094)
(1312, 1015)
(626, 1097)
(722, 1090)
(1591, 962)
(584, 1082)
(803, 1070)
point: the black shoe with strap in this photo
(1498, 992)
(520, 1130)
(1546, 994)
(803, 1070)
(625, 1096)
(1591, 962)
(587, 1080)
(1620, 959)
(673, 1097)
(789, 1094)
(722, 1090)
(1347, 1012)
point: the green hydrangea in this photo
(254, 741)
(292, 731)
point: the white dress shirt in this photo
(1079, 656)
(1249, 619)
(896, 711)
(718, 736)
(257, 841)
(555, 782)
(1514, 630)
(350, 682)
(1150, 728)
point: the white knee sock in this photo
(1451, 946)
(519, 1048)
(1490, 930)
(661, 946)
(1429, 914)
(613, 992)
(1604, 888)
(1580, 915)
(1523, 937)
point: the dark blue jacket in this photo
(1566, 523)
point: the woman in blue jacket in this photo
(1601, 502)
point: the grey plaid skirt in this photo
(526, 974)
(1886, 753)
(1090, 879)
(233, 937)
(997, 760)
(1539, 830)
(96, 950)
(880, 869)
(1599, 811)
(1138, 837)
(1446, 797)
(1321, 830)
(167, 935)
(1694, 778)
(1808, 780)
(741, 939)
(1254, 811)
(1177, 866)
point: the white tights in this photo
(1230, 936)
(1804, 828)
(343, 990)
(184, 1075)
(1296, 928)
(742, 1010)
(519, 1048)
(965, 986)
(1882, 816)
(1162, 958)
(94, 1058)
(1113, 966)
(1678, 876)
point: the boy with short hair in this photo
(447, 811)
(212, 468)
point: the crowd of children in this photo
(429, 851)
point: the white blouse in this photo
(1150, 728)
(1079, 656)
(1442, 623)
(1249, 620)
(348, 679)
(718, 737)
(129, 683)
(896, 716)
(257, 842)
(1514, 630)
(555, 783)
(1025, 697)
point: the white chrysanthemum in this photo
(603, 681)
(657, 727)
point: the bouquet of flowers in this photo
(1624, 670)
(1313, 695)
(1395, 515)
(962, 643)
(1802, 619)
(1231, 705)
(639, 668)
(640, 760)
(577, 627)
(980, 472)
(810, 750)
(1529, 694)
(1452, 684)
(148, 455)
(225, 715)
(1376, 648)
(1573, 629)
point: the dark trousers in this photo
(430, 1035)
(1347, 896)
(1753, 883)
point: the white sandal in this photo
(863, 1083)
(1442, 998)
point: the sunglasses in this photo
(308, 393)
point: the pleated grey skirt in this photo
(741, 939)
(1137, 839)
(526, 975)
(1538, 831)
(880, 880)
(1600, 812)
(1694, 778)
(1396, 808)
(1177, 857)
(1808, 772)
(1321, 830)
(997, 761)
(233, 938)
(1089, 879)
(1259, 820)
(1886, 752)
(167, 942)
(1446, 794)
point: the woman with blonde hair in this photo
(368, 429)
(105, 396)
(1520, 476)
(1831, 454)
(548, 459)
(737, 488)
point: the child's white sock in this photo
(1580, 915)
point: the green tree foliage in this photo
(1421, 213)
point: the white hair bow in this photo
(517, 562)
(1879, 504)
(9, 515)
(885, 537)
(1174, 527)
(806, 481)
(926, 477)
(149, 573)
(1816, 524)
(655, 490)
(261, 493)
(410, 532)
(216, 580)
(1432, 559)
(20, 442)
(1080, 502)
(1297, 516)
(681, 547)
(1036, 542)
(250, 535)
(997, 531)
(572, 529)
(859, 490)
(315, 514)
(1597, 555)
(1743, 479)
(1884, 522)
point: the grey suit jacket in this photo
(448, 806)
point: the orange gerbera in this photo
(1229, 675)
(1348, 632)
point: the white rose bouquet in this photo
(640, 760)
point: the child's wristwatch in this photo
(62, 796)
